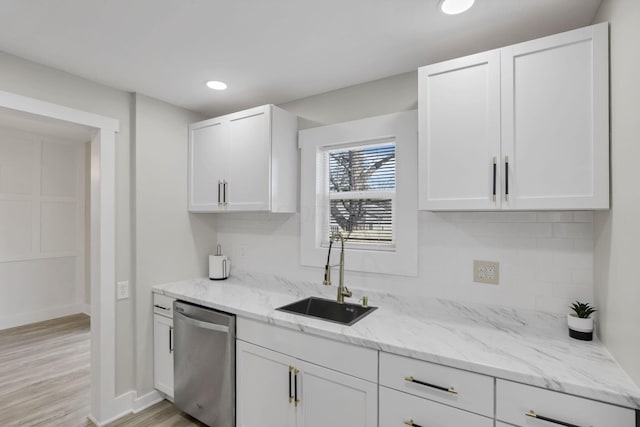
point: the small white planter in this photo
(579, 328)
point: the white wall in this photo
(384, 96)
(42, 224)
(617, 235)
(38, 81)
(546, 259)
(171, 244)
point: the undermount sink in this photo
(330, 310)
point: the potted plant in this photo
(580, 321)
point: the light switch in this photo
(122, 290)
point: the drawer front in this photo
(514, 401)
(356, 361)
(399, 409)
(163, 305)
(469, 391)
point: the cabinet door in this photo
(262, 387)
(459, 133)
(208, 159)
(249, 177)
(399, 409)
(163, 354)
(330, 398)
(555, 121)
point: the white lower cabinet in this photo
(329, 398)
(163, 354)
(400, 409)
(303, 387)
(528, 406)
(163, 344)
(264, 387)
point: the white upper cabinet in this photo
(459, 128)
(539, 109)
(207, 164)
(555, 121)
(245, 161)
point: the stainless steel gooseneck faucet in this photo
(343, 291)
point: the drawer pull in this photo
(437, 387)
(532, 414)
(161, 307)
(411, 423)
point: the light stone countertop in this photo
(526, 346)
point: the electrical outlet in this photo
(122, 290)
(486, 272)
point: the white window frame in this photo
(401, 258)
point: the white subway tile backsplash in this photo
(552, 304)
(585, 245)
(506, 229)
(583, 216)
(546, 258)
(582, 277)
(554, 216)
(485, 217)
(573, 230)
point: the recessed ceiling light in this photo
(454, 7)
(216, 85)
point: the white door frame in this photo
(104, 405)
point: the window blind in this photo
(362, 182)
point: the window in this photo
(360, 178)
(361, 193)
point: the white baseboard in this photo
(143, 402)
(128, 403)
(40, 316)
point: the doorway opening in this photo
(100, 133)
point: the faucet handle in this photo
(365, 301)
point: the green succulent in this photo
(583, 310)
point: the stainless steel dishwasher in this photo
(204, 364)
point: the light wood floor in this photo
(163, 414)
(44, 373)
(44, 379)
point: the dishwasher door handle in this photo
(203, 325)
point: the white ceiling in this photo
(268, 51)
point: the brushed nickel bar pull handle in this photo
(451, 390)
(170, 339)
(161, 307)
(295, 387)
(224, 193)
(495, 167)
(506, 178)
(532, 414)
(290, 394)
(219, 192)
(411, 423)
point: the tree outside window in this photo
(362, 184)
